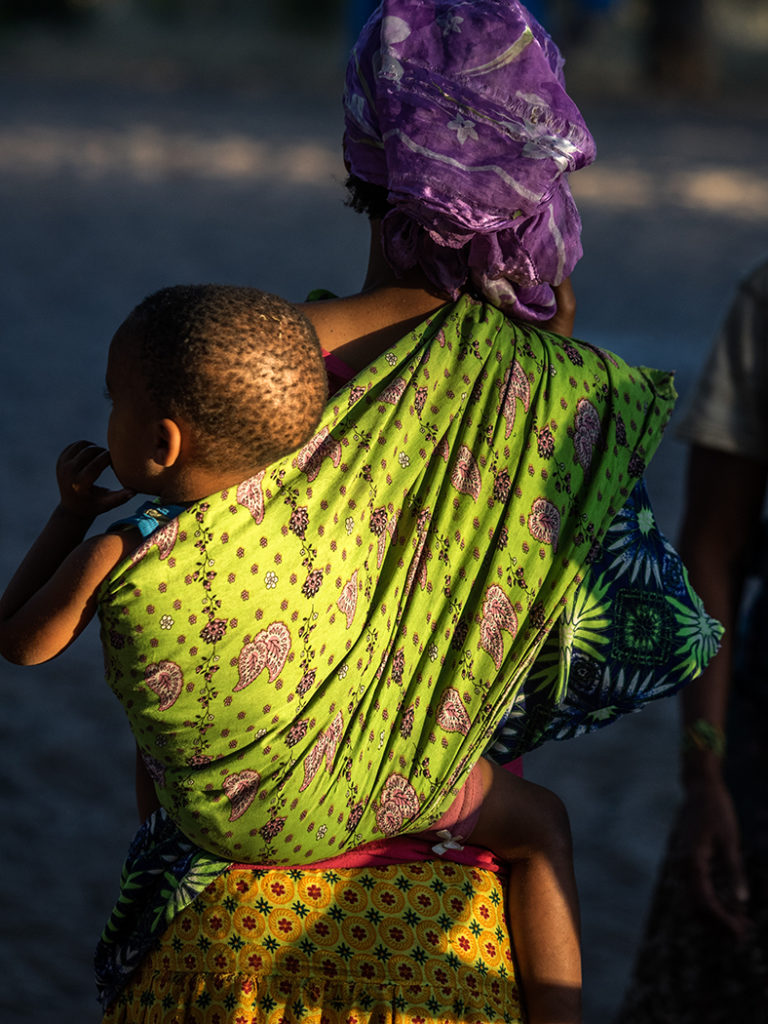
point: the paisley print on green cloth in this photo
(315, 658)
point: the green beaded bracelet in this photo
(705, 736)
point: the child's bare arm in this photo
(527, 826)
(52, 595)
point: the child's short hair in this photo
(244, 368)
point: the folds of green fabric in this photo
(315, 658)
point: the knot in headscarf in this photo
(459, 110)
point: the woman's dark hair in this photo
(367, 198)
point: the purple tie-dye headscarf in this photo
(459, 110)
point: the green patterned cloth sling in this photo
(315, 658)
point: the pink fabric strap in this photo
(408, 849)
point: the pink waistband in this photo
(404, 850)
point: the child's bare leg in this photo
(527, 825)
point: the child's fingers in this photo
(111, 499)
(94, 462)
(72, 451)
(77, 471)
(78, 468)
(83, 462)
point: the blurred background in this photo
(150, 142)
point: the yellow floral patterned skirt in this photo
(408, 944)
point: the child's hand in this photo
(77, 469)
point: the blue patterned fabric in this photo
(147, 518)
(635, 631)
(162, 874)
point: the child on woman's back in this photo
(210, 385)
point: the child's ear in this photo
(167, 443)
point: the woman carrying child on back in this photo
(413, 560)
(208, 386)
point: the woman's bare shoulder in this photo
(360, 327)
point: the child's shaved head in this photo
(243, 368)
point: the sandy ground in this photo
(123, 168)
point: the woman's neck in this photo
(380, 275)
(359, 327)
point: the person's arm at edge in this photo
(724, 499)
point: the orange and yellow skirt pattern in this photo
(413, 943)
